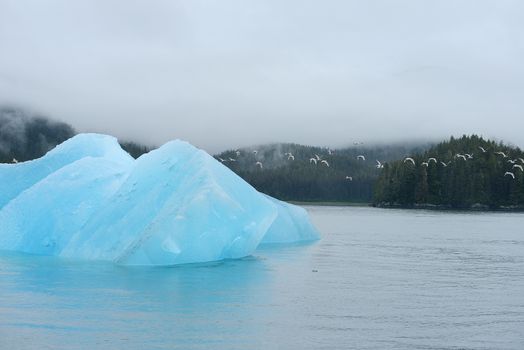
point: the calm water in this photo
(378, 279)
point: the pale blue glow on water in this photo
(378, 279)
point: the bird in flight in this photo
(518, 166)
(408, 159)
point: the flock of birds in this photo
(315, 159)
(467, 156)
(318, 160)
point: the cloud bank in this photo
(229, 73)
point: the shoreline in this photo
(472, 208)
(332, 204)
(443, 208)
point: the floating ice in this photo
(291, 225)
(88, 199)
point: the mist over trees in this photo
(467, 172)
(24, 136)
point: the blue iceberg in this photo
(88, 199)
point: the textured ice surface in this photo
(88, 199)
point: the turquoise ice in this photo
(88, 199)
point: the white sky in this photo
(228, 73)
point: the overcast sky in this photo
(228, 73)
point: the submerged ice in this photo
(88, 199)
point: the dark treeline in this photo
(467, 172)
(301, 173)
(24, 136)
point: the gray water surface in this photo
(378, 279)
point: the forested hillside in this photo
(305, 173)
(460, 173)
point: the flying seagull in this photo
(361, 157)
(408, 159)
(325, 163)
(518, 166)
(482, 149)
(510, 174)
(379, 165)
(259, 164)
(502, 154)
(313, 160)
